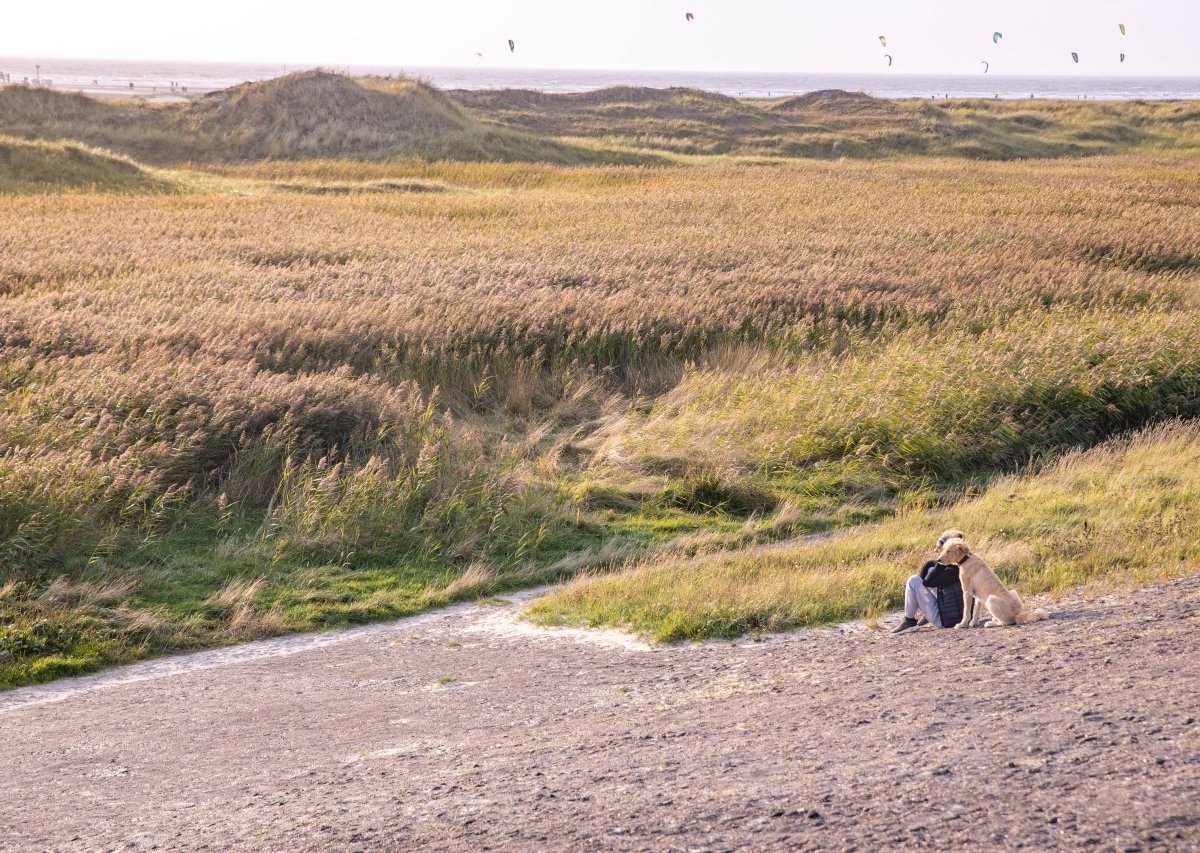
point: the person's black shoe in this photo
(907, 625)
(922, 622)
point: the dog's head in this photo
(954, 551)
(946, 536)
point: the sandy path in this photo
(1078, 732)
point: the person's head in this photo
(946, 536)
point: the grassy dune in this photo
(308, 392)
(42, 167)
(834, 123)
(303, 115)
(322, 115)
(1121, 515)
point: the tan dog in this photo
(980, 585)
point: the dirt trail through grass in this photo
(467, 728)
(505, 620)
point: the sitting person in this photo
(935, 593)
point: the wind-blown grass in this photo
(254, 410)
(927, 405)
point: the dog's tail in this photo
(1024, 614)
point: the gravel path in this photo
(469, 730)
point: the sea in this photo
(171, 80)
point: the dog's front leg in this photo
(977, 611)
(968, 609)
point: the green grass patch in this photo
(199, 589)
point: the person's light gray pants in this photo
(919, 598)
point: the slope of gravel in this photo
(469, 730)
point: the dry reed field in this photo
(296, 393)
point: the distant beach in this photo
(175, 81)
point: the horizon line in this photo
(333, 66)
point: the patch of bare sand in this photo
(466, 730)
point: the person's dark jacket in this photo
(943, 579)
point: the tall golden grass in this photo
(318, 385)
(172, 337)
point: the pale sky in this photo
(924, 36)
